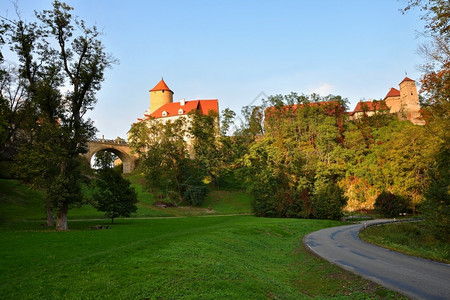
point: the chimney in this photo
(182, 102)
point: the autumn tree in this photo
(436, 87)
(58, 51)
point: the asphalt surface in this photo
(413, 277)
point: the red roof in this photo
(393, 93)
(161, 86)
(370, 106)
(173, 109)
(406, 79)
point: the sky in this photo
(236, 51)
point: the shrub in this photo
(328, 202)
(436, 208)
(389, 205)
(195, 195)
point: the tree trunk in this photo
(61, 218)
(50, 218)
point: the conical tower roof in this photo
(406, 79)
(161, 86)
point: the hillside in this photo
(21, 202)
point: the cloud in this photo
(324, 89)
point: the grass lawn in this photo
(216, 203)
(409, 238)
(19, 202)
(214, 257)
(235, 257)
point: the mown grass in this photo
(235, 257)
(410, 238)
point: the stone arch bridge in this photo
(118, 146)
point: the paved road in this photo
(414, 277)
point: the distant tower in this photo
(408, 94)
(159, 96)
(409, 100)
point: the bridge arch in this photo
(122, 150)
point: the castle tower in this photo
(409, 100)
(159, 96)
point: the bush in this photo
(389, 205)
(328, 202)
(228, 180)
(195, 195)
(436, 208)
(272, 197)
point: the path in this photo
(414, 277)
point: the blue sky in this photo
(234, 50)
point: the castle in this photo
(403, 103)
(162, 105)
(163, 109)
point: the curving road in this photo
(414, 277)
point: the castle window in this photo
(412, 93)
(180, 111)
(164, 113)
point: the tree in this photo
(436, 16)
(301, 149)
(57, 51)
(390, 205)
(436, 208)
(166, 162)
(114, 195)
(204, 133)
(15, 110)
(104, 160)
(436, 86)
(328, 201)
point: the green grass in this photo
(228, 202)
(410, 238)
(235, 257)
(20, 202)
(218, 202)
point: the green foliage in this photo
(167, 166)
(204, 133)
(56, 50)
(390, 205)
(105, 159)
(328, 202)
(114, 195)
(436, 208)
(301, 149)
(196, 194)
(394, 155)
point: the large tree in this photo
(58, 52)
(436, 87)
